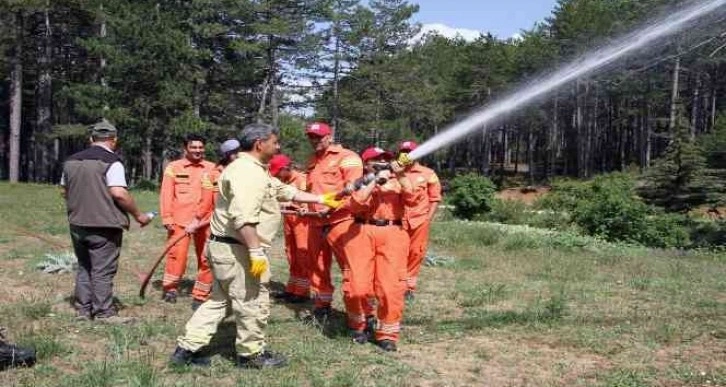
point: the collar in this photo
(333, 148)
(104, 147)
(248, 157)
(189, 163)
(416, 167)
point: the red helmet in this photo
(375, 152)
(407, 146)
(319, 129)
(278, 162)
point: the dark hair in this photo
(194, 137)
(253, 132)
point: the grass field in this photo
(510, 308)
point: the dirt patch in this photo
(500, 362)
(710, 212)
(527, 195)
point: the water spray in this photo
(585, 64)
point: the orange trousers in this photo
(176, 263)
(419, 242)
(296, 248)
(379, 269)
(323, 242)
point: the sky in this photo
(503, 18)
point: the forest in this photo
(161, 69)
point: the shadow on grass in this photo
(184, 290)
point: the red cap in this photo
(407, 146)
(375, 152)
(319, 129)
(277, 162)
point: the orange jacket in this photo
(427, 190)
(181, 191)
(387, 202)
(298, 180)
(209, 191)
(330, 172)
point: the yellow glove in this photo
(330, 199)
(258, 262)
(404, 159)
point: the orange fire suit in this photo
(427, 190)
(181, 200)
(330, 172)
(379, 267)
(295, 229)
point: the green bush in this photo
(146, 185)
(708, 233)
(471, 195)
(508, 211)
(565, 195)
(612, 211)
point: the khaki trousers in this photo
(234, 286)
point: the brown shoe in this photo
(116, 320)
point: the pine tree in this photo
(677, 181)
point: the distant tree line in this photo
(161, 69)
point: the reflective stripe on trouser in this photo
(379, 268)
(417, 252)
(296, 248)
(248, 296)
(176, 263)
(321, 245)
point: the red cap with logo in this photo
(278, 162)
(319, 129)
(375, 152)
(407, 146)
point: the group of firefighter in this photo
(378, 236)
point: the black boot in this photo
(264, 359)
(169, 297)
(322, 314)
(360, 337)
(183, 357)
(388, 345)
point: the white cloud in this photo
(447, 32)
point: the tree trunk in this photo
(335, 116)
(16, 100)
(674, 96)
(275, 105)
(579, 124)
(517, 139)
(102, 61)
(713, 109)
(43, 104)
(694, 107)
(147, 155)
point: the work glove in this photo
(258, 262)
(331, 200)
(404, 159)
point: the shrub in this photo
(708, 234)
(508, 211)
(146, 185)
(613, 212)
(471, 195)
(565, 195)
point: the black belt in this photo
(227, 240)
(379, 222)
